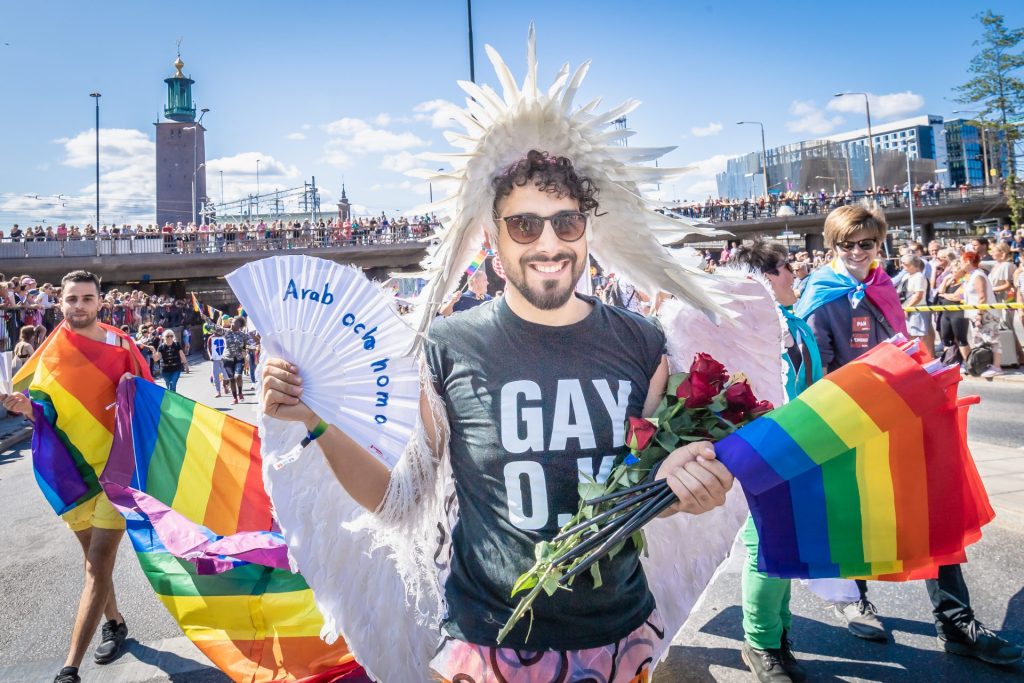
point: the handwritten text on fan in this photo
(325, 297)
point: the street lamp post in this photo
(96, 96)
(764, 153)
(984, 145)
(257, 188)
(871, 138)
(828, 177)
(195, 158)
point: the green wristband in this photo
(317, 432)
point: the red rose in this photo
(710, 369)
(740, 397)
(683, 390)
(701, 392)
(760, 408)
(737, 417)
(640, 433)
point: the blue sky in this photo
(343, 91)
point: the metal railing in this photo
(203, 243)
(732, 211)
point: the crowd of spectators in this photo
(25, 304)
(256, 235)
(810, 203)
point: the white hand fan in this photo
(347, 340)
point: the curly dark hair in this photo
(554, 175)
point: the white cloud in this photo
(882, 106)
(239, 178)
(383, 120)
(379, 140)
(334, 156)
(295, 136)
(713, 128)
(811, 119)
(435, 111)
(401, 162)
(127, 181)
(346, 126)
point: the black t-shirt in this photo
(170, 356)
(531, 407)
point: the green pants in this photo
(765, 599)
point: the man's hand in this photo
(282, 389)
(696, 477)
(17, 403)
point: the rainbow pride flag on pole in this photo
(195, 302)
(189, 481)
(866, 474)
(478, 261)
(71, 380)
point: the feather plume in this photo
(627, 234)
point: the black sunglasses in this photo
(865, 245)
(525, 228)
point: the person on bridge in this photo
(72, 382)
(852, 306)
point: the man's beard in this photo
(550, 296)
(81, 323)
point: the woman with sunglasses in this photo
(852, 306)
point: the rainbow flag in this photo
(188, 479)
(195, 302)
(866, 474)
(71, 380)
(477, 261)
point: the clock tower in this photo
(180, 155)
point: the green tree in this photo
(997, 89)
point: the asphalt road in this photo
(999, 418)
(41, 574)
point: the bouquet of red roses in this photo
(704, 404)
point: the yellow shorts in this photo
(96, 512)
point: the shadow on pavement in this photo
(176, 667)
(12, 455)
(858, 659)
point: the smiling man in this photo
(74, 382)
(536, 387)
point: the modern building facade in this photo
(840, 162)
(969, 158)
(180, 155)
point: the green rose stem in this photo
(525, 605)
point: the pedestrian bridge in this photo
(807, 217)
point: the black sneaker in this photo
(766, 665)
(971, 639)
(795, 670)
(114, 635)
(68, 674)
(861, 619)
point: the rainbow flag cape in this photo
(188, 480)
(71, 380)
(866, 474)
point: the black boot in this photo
(765, 664)
(795, 670)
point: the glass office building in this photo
(840, 162)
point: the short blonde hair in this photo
(844, 222)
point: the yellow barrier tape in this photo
(965, 307)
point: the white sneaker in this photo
(991, 372)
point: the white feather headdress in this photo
(626, 235)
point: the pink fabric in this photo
(627, 661)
